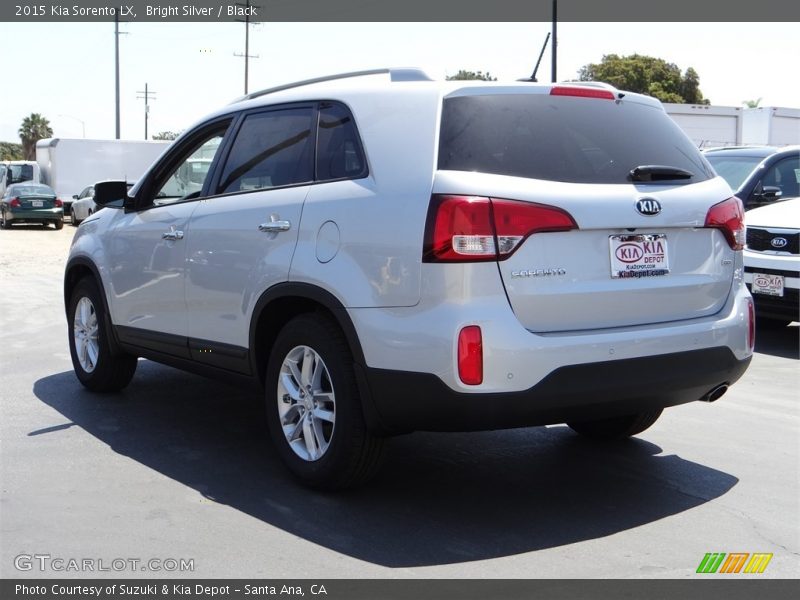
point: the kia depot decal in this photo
(641, 255)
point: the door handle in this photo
(172, 235)
(274, 225)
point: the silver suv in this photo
(381, 253)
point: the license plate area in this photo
(639, 255)
(769, 285)
(37, 203)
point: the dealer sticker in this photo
(640, 255)
(770, 285)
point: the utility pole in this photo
(247, 56)
(554, 44)
(116, 64)
(146, 97)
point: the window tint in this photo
(339, 153)
(579, 140)
(784, 174)
(271, 149)
(188, 177)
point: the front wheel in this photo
(617, 427)
(314, 409)
(73, 219)
(96, 367)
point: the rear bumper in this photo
(35, 214)
(408, 401)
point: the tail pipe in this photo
(716, 393)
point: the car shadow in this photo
(783, 342)
(439, 499)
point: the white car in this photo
(380, 253)
(82, 205)
(772, 261)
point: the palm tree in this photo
(33, 129)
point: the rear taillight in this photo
(15, 203)
(475, 228)
(59, 203)
(470, 355)
(728, 217)
(751, 325)
(581, 92)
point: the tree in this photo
(166, 135)
(751, 103)
(646, 75)
(471, 75)
(33, 128)
(9, 151)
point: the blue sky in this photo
(68, 73)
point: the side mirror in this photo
(771, 192)
(74, 196)
(106, 192)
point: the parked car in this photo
(30, 203)
(759, 174)
(772, 261)
(83, 205)
(382, 253)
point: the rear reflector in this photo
(751, 325)
(470, 355)
(581, 92)
(728, 217)
(475, 228)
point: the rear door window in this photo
(569, 139)
(271, 149)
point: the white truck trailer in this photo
(713, 126)
(70, 165)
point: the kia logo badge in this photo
(779, 242)
(648, 207)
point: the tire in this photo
(96, 367)
(4, 224)
(332, 448)
(74, 221)
(618, 427)
(59, 224)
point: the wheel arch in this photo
(284, 301)
(78, 268)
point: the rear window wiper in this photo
(658, 173)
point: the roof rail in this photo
(403, 74)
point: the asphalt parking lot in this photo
(179, 467)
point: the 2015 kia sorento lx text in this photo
(382, 253)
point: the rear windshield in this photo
(734, 169)
(576, 140)
(33, 190)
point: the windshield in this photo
(734, 169)
(20, 173)
(575, 140)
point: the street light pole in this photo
(116, 65)
(81, 121)
(147, 95)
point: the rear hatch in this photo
(34, 197)
(621, 249)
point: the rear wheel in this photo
(59, 224)
(96, 367)
(314, 409)
(616, 427)
(4, 223)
